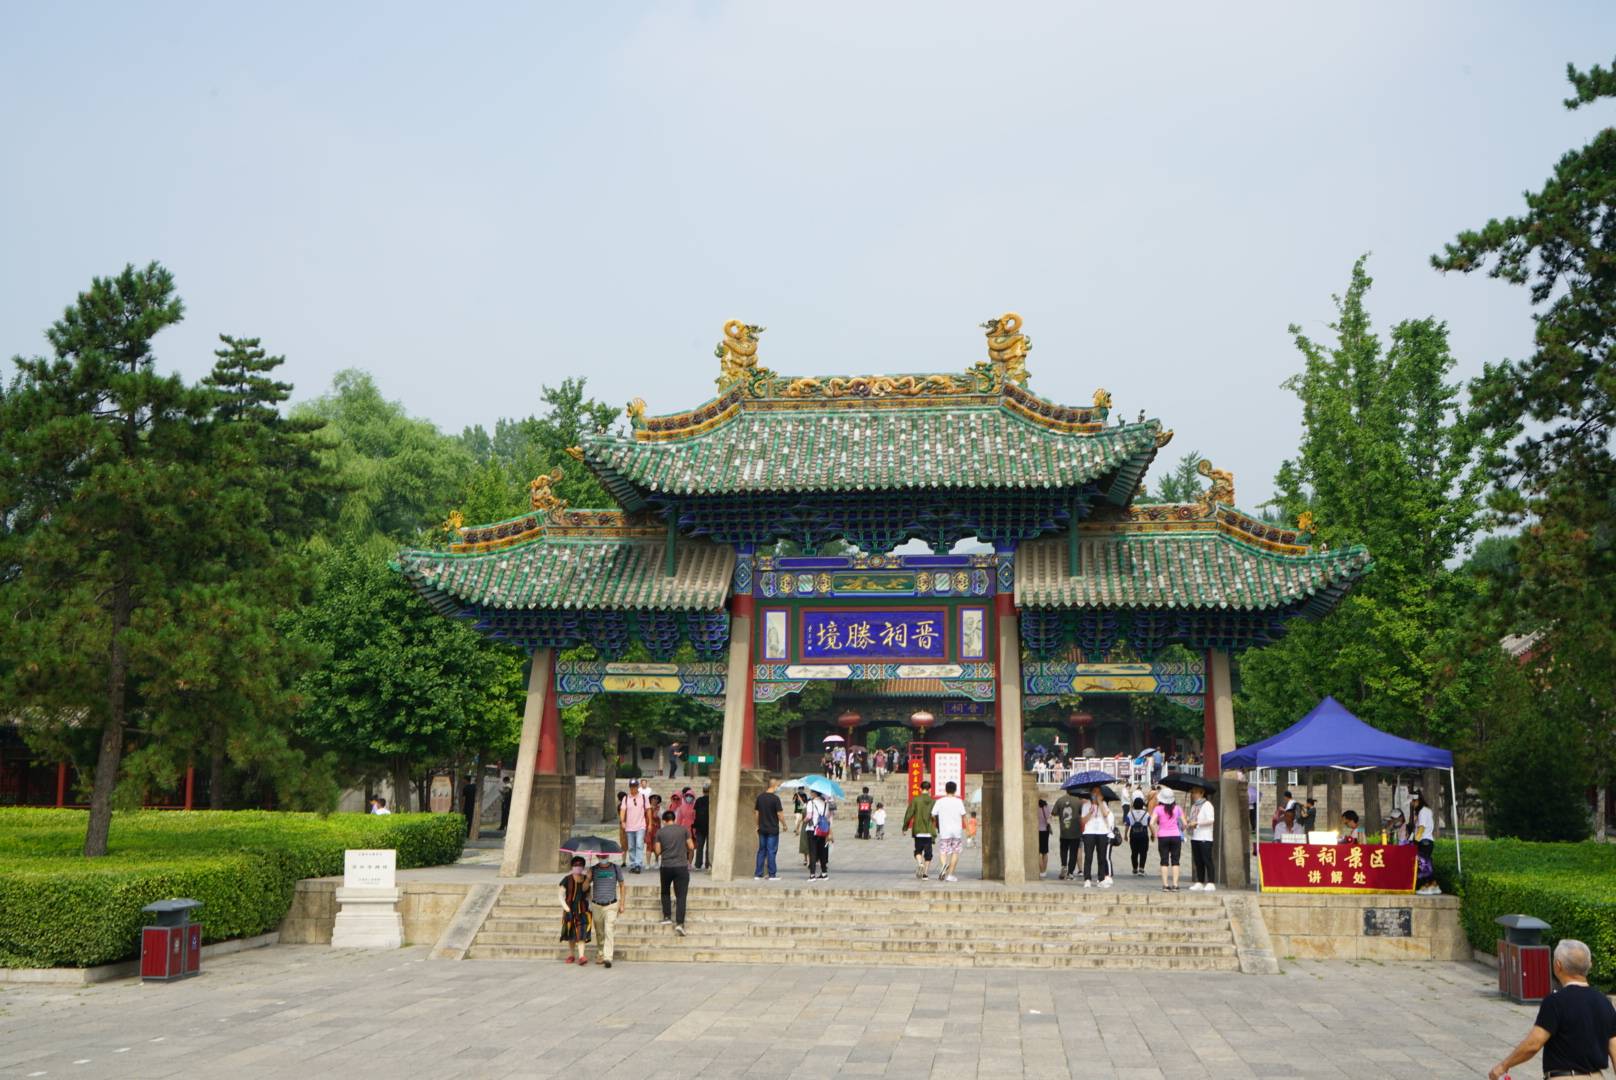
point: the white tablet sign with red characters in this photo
(947, 765)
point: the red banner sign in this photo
(917, 773)
(1336, 868)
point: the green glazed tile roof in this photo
(1193, 570)
(577, 575)
(870, 449)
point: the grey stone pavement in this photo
(309, 1011)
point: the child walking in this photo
(970, 830)
(879, 820)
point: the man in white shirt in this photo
(949, 813)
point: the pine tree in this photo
(1558, 483)
(97, 466)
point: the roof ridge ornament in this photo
(1222, 489)
(1008, 346)
(541, 497)
(737, 354)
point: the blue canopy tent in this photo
(1332, 737)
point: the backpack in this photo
(1138, 825)
(822, 822)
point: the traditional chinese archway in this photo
(1078, 570)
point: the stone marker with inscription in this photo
(1388, 922)
(369, 917)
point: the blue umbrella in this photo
(1087, 779)
(822, 784)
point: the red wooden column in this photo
(741, 608)
(549, 760)
(190, 785)
(61, 783)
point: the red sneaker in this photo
(571, 959)
(582, 960)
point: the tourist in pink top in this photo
(1167, 826)
(632, 814)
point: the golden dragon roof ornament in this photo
(737, 354)
(539, 494)
(1222, 489)
(1008, 346)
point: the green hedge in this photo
(1572, 887)
(59, 909)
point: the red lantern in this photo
(922, 721)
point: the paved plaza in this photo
(302, 1012)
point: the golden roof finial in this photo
(540, 495)
(1222, 489)
(453, 522)
(576, 453)
(1304, 521)
(635, 411)
(737, 353)
(1007, 345)
(1102, 398)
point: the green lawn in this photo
(59, 909)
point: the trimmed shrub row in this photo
(58, 909)
(1572, 887)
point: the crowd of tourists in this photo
(851, 763)
(1084, 822)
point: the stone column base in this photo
(1233, 850)
(549, 823)
(990, 816)
(745, 849)
(369, 919)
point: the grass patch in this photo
(1572, 887)
(59, 909)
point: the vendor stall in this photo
(1331, 737)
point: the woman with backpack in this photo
(819, 834)
(1167, 826)
(1137, 822)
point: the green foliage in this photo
(1391, 458)
(152, 529)
(772, 718)
(1558, 483)
(60, 910)
(1534, 773)
(1182, 484)
(520, 450)
(399, 682)
(402, 474)
(1572, 887)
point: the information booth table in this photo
(1336, 868)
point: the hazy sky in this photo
(472, 200)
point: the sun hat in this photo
(1165, 796)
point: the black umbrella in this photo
(1188, 782)
(591, 845)
(1106, 793)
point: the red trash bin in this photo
(172, 948)
(1524, 964)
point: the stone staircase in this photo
(922, 927)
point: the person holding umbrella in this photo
(1098, 827)
(575, 923)
(819, 835)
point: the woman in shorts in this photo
(1167, 826)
